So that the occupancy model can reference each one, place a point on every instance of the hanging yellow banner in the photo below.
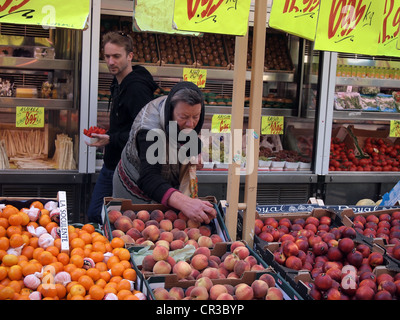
(394, 129)
(298, 17)
(387, 44)
(197, 76)
(351, 26)
(212, 16)
(72, 14)
(156, 16)
(221, 123)
(29, 117)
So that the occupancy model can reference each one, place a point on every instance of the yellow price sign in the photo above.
(298, 17)
(197, 76)
(72, 14)
(29, 117)
(272, 124)
(394, 128)
(212, 16)
(221, 123)
(349, 26)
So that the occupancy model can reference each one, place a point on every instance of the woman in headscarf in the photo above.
(149, 169)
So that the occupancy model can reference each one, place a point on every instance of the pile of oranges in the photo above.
(93, 269)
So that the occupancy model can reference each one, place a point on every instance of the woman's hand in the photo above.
(102, 140)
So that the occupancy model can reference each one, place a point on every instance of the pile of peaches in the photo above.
(341, 267)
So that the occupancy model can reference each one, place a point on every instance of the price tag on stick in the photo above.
(62, 205)
(29, 117)
(394, 128)
(221, 123)
(197, 76)
(272, 125)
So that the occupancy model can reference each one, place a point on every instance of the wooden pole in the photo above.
(239, 86)
(256, 91)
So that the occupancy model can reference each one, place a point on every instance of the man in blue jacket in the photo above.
(131, 89)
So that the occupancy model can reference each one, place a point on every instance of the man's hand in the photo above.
(102, 140)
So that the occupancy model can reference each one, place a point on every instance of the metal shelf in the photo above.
(365, 115)
(362, 177)
(363, 82)
(34, 102)
(36, 64)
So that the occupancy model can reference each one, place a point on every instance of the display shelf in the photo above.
(367, 82)
(362, 177)
(36, 64)
(365, 115)
(36, 102)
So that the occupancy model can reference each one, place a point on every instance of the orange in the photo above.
(71, 229)
(86, 281)
(115, 279)
(88, 227)
(129, 274)
(124, 254)
(4, 223)
(3, 231)
(53, 250)
(101, 266)
(16, 241)
(6, 293)
(87, 250)
(77, 297)
(109, 289)
(96, 256)
(16, 285)
(37, 204)
(13, 230)
(50, 226)
(15, 219)
(37, 252)
(3, 272)
(61, 290)
(2, 253)
(25, 291)
(34, 242)
(77, 243)
(69, 268)
(101, 282)
(77, 260)
(86, 237)
(4, 243)
(96, 292)
(45, 258)
(77, 273)
(44, 211)
(124, 285)
(105, 275)
(30, 268)
(99, 246)
(98, 237)
(117, 269)
(25, 218)
(131, 297)
(123, 293)
(93, 273)
(63, 258)
(25, 237)
(78, 251)
(15, 272)
(10, 260)
(70, 285)
(58, 266)
(8, 211)
(117, 242)
(57, 243)
(47, 291)
(73, 235)
(44, 220)
(112, 260)
(78, 289)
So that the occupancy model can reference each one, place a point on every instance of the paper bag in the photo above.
(188, 180)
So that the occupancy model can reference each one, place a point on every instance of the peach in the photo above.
(134, 233)
(157, 215)
(216, 259)
(205, 230)
(232, 275)
(170, 215)
(192, 224)
(193, 233)
(151, 222)
(180, 235)
(171, 261)
(117, 233)
(252, 260)
(199, 261)
(269, 279)
(222, 271)
(225, 296)
(123, 223)
(216, 290)
(130, 214)
(177, 244)
(113, 215)
(192, 243)
(205, 282)
(215, 238)
(257, 267)
(205, 241)
(127, 239)
(160, 253)
(148, 263)
(241, 252)
(163, 243)
(151, 233)
(166, 225)
(211, 273)
(143, 215)
(179, 224)
(260, 288)
(146, 243)
(177, 293)
(274, 293)
(162, 267)
(138, 224)
(161, 294)
(237, 244)
(167, 236)
(244, 292)
(199, 293)
(188, 290)
(230, 261)
(182, 216)
(240, 267)
(182, 269)
(203, 250)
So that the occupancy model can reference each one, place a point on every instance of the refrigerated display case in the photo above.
(41, 75)
(290, 90)
(361, 157)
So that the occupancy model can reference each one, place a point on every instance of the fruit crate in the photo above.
(23, 202)
(217, 225)
(220, 249)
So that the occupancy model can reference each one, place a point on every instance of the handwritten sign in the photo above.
(272, 125)
(71, 14)
(29, 117)
(212, 16)
(349, 26)
(197, 76)
(298, 17)
(394, 128)
(156, 16)
(221, 123)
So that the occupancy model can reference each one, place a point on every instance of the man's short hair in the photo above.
(119, 38)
